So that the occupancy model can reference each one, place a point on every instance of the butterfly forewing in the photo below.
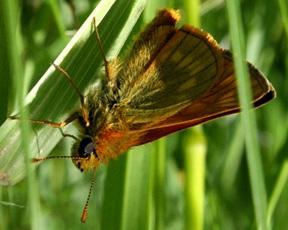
(190, 81)
(185, 68)
(182, 79)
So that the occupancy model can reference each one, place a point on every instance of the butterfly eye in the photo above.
(86, 147)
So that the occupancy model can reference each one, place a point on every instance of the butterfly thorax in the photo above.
(107, 128)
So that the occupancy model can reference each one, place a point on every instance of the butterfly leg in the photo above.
(68, 120)
(84, 109)
(68, 135)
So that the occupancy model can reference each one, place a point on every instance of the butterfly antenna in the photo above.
(85, 209)
(39, 159)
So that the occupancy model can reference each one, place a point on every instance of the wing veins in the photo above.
(187, 54)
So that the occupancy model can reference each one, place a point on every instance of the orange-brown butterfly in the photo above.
(174, 78)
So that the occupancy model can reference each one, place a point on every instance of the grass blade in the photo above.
(247, 116)
(16, 67)
(195, 155)
(278, 190)
(195, 152)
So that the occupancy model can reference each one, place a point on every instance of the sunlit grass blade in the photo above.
(247, 116)
(195, 155)
(195, 152)
(192, 9)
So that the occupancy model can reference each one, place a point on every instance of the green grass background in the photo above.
(201, 178)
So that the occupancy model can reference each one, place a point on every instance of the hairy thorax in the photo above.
(109, 131)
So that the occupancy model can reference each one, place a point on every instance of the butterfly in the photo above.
(173, 78)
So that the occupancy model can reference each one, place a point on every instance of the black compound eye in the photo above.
(86, 147)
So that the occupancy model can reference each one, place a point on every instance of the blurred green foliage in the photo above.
(124, 188)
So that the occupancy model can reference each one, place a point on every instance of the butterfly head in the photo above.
(84, 155)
